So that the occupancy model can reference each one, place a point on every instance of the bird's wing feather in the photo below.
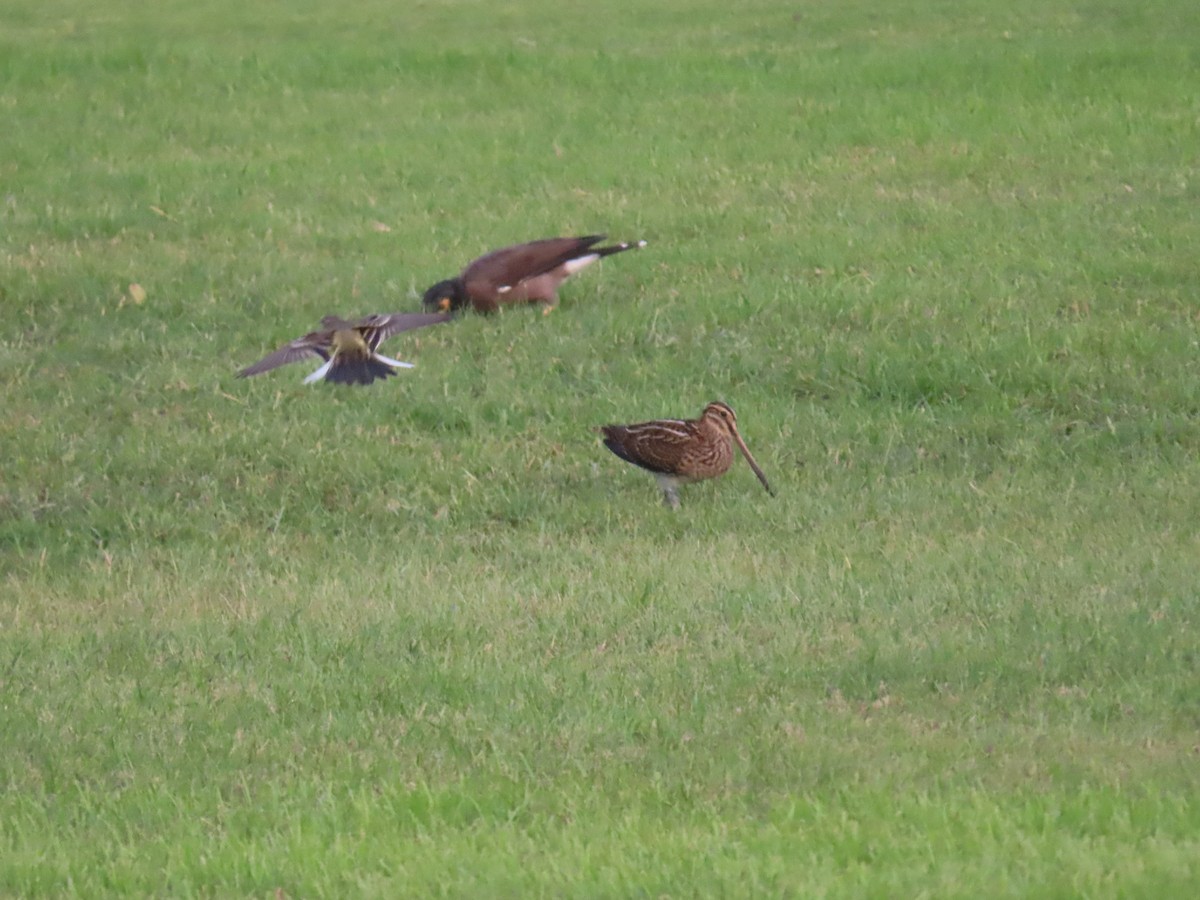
(398, 322)
(377, 327)
(313, 344)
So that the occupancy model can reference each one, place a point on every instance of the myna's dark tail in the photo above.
(617, 248)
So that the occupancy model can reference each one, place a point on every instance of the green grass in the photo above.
(430, 638)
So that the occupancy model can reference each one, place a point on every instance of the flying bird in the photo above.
(524, 273)
(680, 451)
(349, 349)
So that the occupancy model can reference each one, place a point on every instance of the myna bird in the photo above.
(680, 451)
(348, 348)
(525, 273)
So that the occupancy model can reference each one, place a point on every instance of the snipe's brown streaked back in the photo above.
(679, 451)
(349, 349)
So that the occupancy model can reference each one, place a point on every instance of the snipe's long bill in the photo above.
(680, 451)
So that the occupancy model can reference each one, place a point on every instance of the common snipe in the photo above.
(524, 273)
(348, 348)
(679, 451)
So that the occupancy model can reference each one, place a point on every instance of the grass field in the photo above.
(431, 638)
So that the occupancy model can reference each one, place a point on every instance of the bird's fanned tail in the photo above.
(357, 371)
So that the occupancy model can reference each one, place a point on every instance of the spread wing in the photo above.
(314, 343)
(509, 266)
(379, 327)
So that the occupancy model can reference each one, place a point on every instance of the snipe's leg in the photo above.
(670, 489)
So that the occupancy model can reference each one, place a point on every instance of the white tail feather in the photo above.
(571, 266)
(320, 373)
(394, 363)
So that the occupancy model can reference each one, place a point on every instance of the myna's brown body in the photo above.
(349, 349)
(524, 273)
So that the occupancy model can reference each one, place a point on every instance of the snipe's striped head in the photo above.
(679, 451)
(722, 415)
